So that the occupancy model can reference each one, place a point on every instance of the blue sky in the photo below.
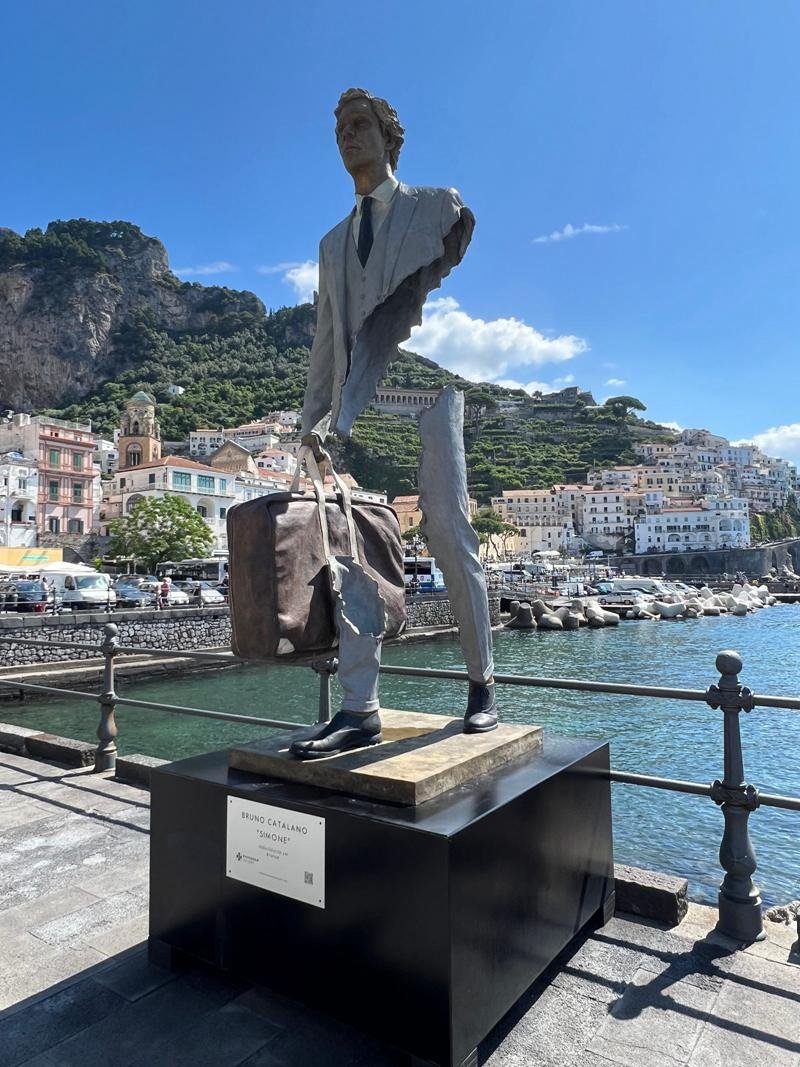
(634, 170)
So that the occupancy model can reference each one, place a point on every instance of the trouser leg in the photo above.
(452, 541)
(361, 623)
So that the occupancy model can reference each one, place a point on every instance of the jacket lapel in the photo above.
(398, 222)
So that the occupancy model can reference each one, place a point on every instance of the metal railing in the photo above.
(739, 900)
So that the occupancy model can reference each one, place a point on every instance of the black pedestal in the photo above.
(436, 919)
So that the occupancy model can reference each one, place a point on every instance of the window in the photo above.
(202, 511)
(223, 512)
(52, 490)
(55, 457)
(22, 483)
(77, 461)
(54, 525)
(75, 526)
(205, 481)
(77, 492)
(223, 485)
(151, 479)
(133, 456)
(181, 480)
(16, 513)
(122, 483)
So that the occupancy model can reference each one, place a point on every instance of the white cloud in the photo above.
(486, 351)
(303, 277)
(780, 441)
(616, 381)
(219, 266)
(571, 231)
(676, 426)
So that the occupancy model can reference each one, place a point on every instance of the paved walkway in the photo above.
(76, 987)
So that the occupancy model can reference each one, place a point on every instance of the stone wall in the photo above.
(175, 630)
(427, 611)
(755, 562)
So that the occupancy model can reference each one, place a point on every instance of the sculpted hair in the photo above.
(386, 116)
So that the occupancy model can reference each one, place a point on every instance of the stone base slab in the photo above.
(421, 757)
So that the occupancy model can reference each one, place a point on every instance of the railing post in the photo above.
(325, 668)
(739, 899)
(105, 757)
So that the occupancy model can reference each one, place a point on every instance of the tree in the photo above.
(621, 406)
(489, 525)
(414, 533)
(157, 529)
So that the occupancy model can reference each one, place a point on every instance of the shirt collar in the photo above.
(383, 192)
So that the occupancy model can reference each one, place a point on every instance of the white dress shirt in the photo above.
(381, 202)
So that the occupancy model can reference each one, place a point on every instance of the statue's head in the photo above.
(368, 131)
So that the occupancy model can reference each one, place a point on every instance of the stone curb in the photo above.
(650, 894)
(135, 769)
(40, 745)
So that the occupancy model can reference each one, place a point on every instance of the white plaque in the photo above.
(276, 849)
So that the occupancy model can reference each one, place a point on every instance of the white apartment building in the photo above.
(106, 455)
(721, 522)
(204, 442)
(276, 459)
(19, 486)
(252, 436)
(546, 518)
(606, 515)
(211, 492)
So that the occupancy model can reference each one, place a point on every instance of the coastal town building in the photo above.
(139, 433)
(19, 500)
(276, 459)
(686, 526)
(63, 452)
(210, 492)
(397, 401)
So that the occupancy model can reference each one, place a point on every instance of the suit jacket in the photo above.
(429, 231)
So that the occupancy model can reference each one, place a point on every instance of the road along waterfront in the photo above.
(652, 828)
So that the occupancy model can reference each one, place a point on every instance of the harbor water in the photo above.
(652, 828)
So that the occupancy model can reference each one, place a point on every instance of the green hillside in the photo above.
(248, 365)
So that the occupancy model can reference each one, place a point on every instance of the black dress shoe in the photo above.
(346, 730)
(481, 713)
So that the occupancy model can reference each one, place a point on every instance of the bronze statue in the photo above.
(376, 268)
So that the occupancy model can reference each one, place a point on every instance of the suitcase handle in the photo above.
(306, 457)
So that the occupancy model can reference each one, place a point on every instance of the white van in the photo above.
(82, 589)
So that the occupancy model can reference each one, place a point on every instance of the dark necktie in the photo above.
(365, 230)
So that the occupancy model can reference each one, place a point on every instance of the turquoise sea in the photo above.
(652, 828)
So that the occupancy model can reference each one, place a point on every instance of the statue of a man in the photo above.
(376, 268)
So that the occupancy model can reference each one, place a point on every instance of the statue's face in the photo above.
(359, 136)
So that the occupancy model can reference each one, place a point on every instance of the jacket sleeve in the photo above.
(319, 384)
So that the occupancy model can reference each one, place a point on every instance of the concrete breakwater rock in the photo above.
(174, 630)
(589, 611)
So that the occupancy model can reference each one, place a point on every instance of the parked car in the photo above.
(202, 593)
(132, 594)
(32, 595)
(83, 588)
(177, 597)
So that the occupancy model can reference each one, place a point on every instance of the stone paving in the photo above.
(76, 986)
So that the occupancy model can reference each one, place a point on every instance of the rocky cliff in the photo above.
(67, 295)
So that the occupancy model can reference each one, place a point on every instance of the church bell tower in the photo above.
(140, 434)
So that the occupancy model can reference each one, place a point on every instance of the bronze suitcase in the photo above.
(281, 601)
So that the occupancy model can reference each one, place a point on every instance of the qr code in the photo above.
(309, 878)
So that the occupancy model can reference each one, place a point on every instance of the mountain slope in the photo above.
(96, 306)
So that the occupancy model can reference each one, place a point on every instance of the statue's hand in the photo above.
(314, 442)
